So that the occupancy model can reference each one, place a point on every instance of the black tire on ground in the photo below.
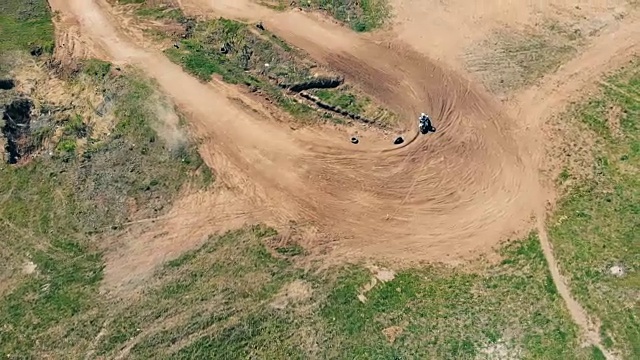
(399, 140)
(354, 140)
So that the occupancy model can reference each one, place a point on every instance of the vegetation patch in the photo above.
(26, 25)
(435, 307)
(162, 12)
(595, 228)
(234, 298)
(353, 101)
(360, 15)
(510, 60)
(239, 53)
(62, 202)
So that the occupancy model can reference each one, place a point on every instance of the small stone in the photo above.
(617, 270)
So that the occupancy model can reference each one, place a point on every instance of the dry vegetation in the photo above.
(512, 59)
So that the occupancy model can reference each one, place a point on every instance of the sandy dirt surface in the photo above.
(445, 196)
(442, 197)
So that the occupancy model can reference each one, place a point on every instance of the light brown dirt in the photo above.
(392, 333)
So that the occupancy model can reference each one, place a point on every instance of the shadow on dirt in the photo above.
(7, 84)
(16, 129)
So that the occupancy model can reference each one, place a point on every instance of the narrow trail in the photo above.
(611, 50)
(590, 329)
(444, 197)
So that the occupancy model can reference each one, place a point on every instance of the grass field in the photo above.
(512, 59)
(235, 298)
(56, 210)
(597, 224)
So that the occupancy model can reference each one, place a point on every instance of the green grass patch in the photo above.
(161, 12)
(243, 61)
(291, 250)
(39, 224)
(355, 102)
(345, 100)
(220, 291)
(361, 15)
(597, 223)
(96, 69)
(67, 145)
(244, 57)
(513, 306)
(26, 25)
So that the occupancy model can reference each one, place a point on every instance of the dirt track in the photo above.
(445, 196)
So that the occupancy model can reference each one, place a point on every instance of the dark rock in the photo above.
(7, 84)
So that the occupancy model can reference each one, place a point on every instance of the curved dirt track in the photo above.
(451, 193)
(442, 197)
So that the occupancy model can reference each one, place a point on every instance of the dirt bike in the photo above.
(424, 124)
